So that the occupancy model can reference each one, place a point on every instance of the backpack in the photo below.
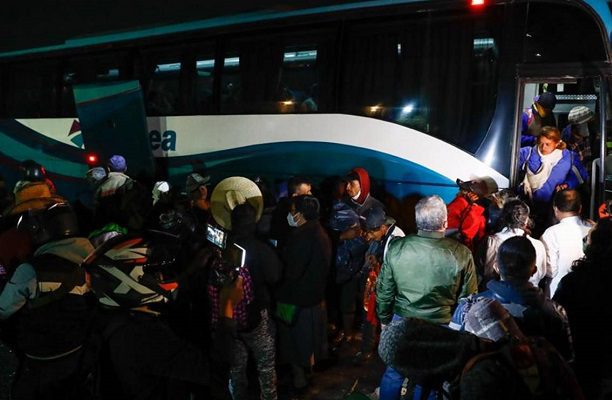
(460, 365)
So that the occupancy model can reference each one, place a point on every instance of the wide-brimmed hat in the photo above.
(229, 193)
(194, 181)
(483, 186)
(579, 115)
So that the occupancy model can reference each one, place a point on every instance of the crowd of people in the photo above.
(143, 297)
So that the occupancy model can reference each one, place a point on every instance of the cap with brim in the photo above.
(229, 193)
(483, 186)
(374, 218)
(194, 181)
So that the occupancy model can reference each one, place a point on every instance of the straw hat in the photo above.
(229, 193)
(33, 196)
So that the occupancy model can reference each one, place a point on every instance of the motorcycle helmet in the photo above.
(133, 270)
(54, 222)
(33, 171)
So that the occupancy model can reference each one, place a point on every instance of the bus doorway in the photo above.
(573, 105)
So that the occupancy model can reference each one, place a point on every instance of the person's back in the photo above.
(535, 314)
(564, 241)
(584, 293)
(428, 272)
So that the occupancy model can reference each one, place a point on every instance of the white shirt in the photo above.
(563, 243)
(494, 241)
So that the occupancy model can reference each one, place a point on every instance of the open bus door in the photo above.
(573, 90)
(113, 121)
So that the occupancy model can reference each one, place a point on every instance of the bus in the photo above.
(419, 93)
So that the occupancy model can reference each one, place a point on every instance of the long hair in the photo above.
(552, 133)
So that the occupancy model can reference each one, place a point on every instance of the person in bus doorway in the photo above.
(539, 115)
(466, 216)
(577, 135)
(545, 168)
(196, 187)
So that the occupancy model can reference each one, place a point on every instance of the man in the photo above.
(540, 114)
(576, 134)
(358, 198)
(422, 276)
(379, 229)
(564, 241)
(48, 297)
(465, 215)
(535, 314)
(119, 199)
(196, 187)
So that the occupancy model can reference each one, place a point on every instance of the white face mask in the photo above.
(356, 196)
(291, 221)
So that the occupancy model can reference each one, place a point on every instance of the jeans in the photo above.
(392, 380)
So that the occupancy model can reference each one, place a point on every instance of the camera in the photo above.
(226, 266)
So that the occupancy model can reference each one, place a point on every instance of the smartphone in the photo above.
(235, 255)
(216, 236)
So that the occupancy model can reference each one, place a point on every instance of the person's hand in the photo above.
(230, 296)
(561, 187)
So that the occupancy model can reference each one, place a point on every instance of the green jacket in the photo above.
(423, 276)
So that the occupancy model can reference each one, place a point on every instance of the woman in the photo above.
(546, 167)
(585, 295)
(516, 222)
(307, 257)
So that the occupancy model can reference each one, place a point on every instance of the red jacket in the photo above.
(468, 218)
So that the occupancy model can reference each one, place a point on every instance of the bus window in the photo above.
(435, 75)
(278, 74)
(205, 66)
(33, 90)
(576, 38)
(162, 83)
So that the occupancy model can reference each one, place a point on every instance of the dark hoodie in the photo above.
(264, 265)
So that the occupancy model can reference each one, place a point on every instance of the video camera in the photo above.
(226, 266)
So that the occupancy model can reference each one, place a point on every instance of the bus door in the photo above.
(580, 111)
(113, 121)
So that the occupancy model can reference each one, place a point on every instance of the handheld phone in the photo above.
(216, 236)
(235, 255)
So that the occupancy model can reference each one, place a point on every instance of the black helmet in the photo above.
(133, 270)
(54, 222)
(33, 171)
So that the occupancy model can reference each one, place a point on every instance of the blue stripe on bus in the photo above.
(317, 160)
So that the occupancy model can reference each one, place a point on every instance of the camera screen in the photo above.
(216, 236)
(235, 255)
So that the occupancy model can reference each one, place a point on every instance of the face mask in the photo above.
(291, 221)
(356, 196)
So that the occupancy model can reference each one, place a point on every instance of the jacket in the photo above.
(468, 218)
(307, 257)
(534, 313)
(558, 175)
(423, 276)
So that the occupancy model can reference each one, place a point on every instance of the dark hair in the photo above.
(515, 214)
(515, 258)
(567, 200)
(244, 218)
(307, 205)
(599, 252)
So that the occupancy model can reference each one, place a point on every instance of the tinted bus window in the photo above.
(33, 90)
(205, 68)
(278, 75)
(561, 33)
(438, 76)
(162, 84)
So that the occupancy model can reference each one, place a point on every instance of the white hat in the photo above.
(229, 193)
